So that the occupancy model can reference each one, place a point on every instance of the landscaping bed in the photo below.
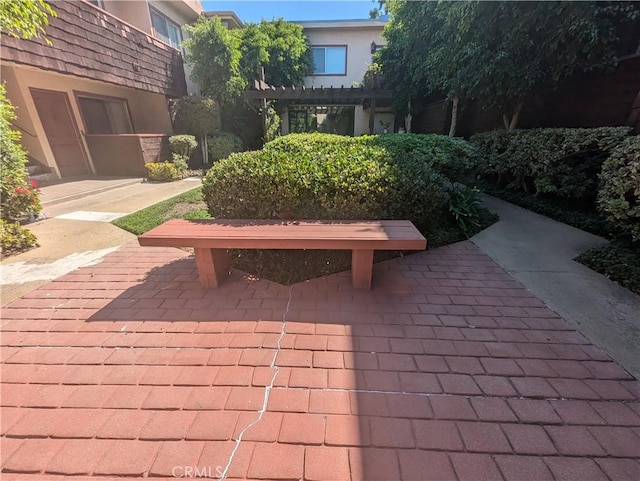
(587, 178)
(320, 176)
(617, 260)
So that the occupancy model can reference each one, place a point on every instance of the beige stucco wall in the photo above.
(358, 41)
(134, 12)
(30, 128)
(149, 112)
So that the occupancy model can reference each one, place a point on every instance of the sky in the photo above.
(292, 10)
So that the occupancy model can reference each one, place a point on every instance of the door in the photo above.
(61, 130)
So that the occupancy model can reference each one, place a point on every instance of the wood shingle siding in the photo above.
(90, 43)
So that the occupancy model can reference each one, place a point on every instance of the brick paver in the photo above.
(446, 370)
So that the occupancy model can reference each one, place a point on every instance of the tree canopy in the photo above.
(226, 61)
(213, 51)
(500, 53)
(25, 18)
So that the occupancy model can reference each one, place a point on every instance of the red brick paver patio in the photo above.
(446, 370)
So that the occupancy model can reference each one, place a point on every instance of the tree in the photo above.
(289, 56)
(226, 61)
(197, 116)
(500, 53)
(25, 18)
(381, 9)
(213, 51)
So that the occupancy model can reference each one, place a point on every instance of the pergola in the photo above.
(323, 96)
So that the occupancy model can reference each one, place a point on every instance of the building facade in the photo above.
(95, 100)
(342, 52)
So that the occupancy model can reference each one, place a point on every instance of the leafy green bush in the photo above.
(555, 161)
(18, 197)
(223, 144)
(464, 204)
(199, 116)
(180, 162)
(183, 144)
(14, 238)
(162, 171)
(619, 196)
(272, 122)
(195, 115)
(453, 157)
(322, 176)
(617, 260)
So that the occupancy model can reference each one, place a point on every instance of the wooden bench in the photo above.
(211, 239)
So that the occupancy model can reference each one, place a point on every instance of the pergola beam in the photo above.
(355, 95)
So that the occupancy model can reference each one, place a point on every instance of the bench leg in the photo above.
(213, 266)
(361, 268)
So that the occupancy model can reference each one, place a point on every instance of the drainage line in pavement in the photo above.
(267, 390)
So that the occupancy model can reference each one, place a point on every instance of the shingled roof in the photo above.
(90, 43)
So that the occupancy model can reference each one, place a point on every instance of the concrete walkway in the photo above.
(539, 252)
(77, 230)
(448, 369)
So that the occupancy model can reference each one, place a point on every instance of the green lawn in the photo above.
(184, 206)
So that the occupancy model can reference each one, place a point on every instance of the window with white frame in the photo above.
(166, 30)
(329, 60)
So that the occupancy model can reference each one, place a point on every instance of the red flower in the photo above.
(34, 183)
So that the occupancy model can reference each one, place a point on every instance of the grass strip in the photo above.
(188, 205)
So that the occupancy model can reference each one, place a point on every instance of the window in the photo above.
(105, 115)
(336, 119)
(166, 30)
(97, 3)
(329, 60)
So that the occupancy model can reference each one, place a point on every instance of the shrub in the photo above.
(555, 161)
(464, 204)
(323, 176)
(619, 196)
(455, 158)
(180, 163)
(18, 197)
(14, 238)
(618, 261)
(223, 144)
(194, 115)
(162, 171)
(272, 124)
(183, 144)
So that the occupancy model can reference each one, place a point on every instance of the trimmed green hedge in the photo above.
(323, 176)
(619, 196)
(223, 144)
(554, 161)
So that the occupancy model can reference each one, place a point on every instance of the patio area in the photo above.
(447, 369)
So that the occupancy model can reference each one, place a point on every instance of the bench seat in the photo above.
(211, 239)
